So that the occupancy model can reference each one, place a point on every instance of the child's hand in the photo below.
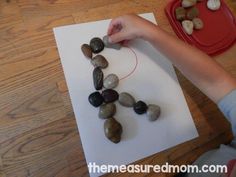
(129, 27)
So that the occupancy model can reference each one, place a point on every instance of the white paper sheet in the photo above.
(154, 81)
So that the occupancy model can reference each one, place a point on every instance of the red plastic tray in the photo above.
(218, 33)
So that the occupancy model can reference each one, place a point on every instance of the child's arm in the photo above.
(198, 67)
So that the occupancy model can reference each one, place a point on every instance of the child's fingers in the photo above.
(117, 37)
(113, 25)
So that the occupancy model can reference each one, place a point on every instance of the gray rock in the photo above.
(153, 112)
(198, 23)
(107, 111)
(111, 81)
(213, 4)
(188, 3)
(125, 99)
(99, 61)
(107, 44)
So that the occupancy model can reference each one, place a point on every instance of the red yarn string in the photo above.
(136, 63)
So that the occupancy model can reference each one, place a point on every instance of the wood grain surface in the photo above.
(38, 132)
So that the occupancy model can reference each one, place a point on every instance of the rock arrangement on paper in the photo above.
(105, 95)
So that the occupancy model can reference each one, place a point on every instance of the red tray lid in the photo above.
(218, 33)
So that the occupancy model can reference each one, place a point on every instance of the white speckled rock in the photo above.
(188, 3)
(153, 112)
(213, 4)
(187, 26)
(198, 23)
(125, 99)
(111, 81)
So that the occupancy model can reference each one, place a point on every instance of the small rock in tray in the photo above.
(192, 13)
(188, 3)
(180, 13)
(213, 4)
(197, 23)
(187, 26)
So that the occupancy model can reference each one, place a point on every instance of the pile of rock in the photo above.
(188, 14)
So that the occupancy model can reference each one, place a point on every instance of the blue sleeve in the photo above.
(228, 106)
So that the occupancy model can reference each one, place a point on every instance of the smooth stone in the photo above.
(192, 13)
(96, 45)
(95, 99)
(97, 78)
(107, 110)
(187, 26)
(213, 4)
(125, 99)
(198, 23)
(99, 61)
(107, 44)
(111, 81)
(180, 13)
(188, 3)
(140, 107)
(110, 95)
(87, 51)
(113, 130)
(153, 112)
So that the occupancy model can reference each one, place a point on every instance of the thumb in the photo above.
(117, 37)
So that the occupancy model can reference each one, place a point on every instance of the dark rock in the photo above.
(98, 78)
(113, 130)
(96, 45)
(110, 95)
(95, 99)
(140, 107)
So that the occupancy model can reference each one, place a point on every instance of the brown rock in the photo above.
(87, 51)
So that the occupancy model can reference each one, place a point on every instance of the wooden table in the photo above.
(38, 132)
